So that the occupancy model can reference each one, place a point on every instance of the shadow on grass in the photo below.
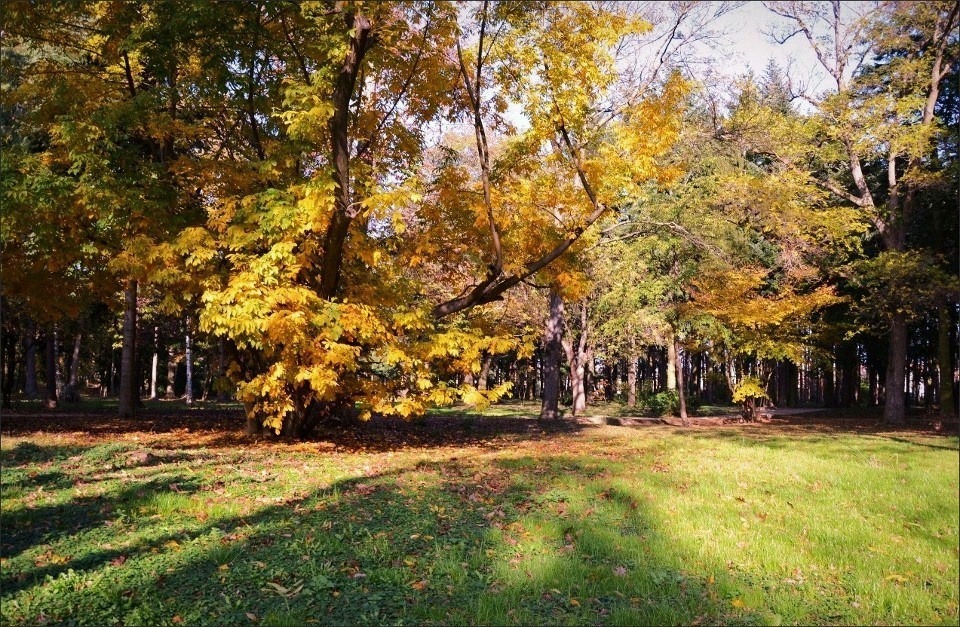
(462, 542)
(224, 428)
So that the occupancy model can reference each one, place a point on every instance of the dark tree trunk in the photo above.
(51, 356)
(678, 365)
(485, 362)
(894, 409)
(188, 358)
(8, 368)
(172, 360)
(71, 393)
(632, 380)
(222, 396)
(128, 358)
(30, 389)
(550, 409)
(945, 359)
(829, 395)
(254, 423)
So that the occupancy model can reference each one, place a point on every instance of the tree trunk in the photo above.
(75, 361)
(829, 394)
(550, 408)
(894, 410)
(30, 389)
(8, 368)
(51, 356)
(254, 424)
(71, 394)
(945, 359)
(128, 358)
(172, 360)
(154, 363)
(578, 384)
(484, 371)
(222, 394)
(671, 362)
(678, 366)
(632, 380)
(188, 358)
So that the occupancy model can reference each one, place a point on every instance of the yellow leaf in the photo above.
(737, 603)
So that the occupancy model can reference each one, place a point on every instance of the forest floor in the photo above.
(178, 518)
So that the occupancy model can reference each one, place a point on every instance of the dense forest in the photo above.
(337, 211)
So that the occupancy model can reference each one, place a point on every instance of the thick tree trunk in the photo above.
(894, 410)
(128, 357)
(678, 366)
(30, 389)
(553, 334)
(172, 360)
(254, 424)
(829, 393)
(51, 356)
(578, 385)
(945, 359)
(484, 371)
(188, 358)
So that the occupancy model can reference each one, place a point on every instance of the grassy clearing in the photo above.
(745, 525)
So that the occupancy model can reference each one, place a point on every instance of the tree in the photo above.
(882, 113)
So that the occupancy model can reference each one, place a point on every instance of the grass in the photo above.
(759, 524)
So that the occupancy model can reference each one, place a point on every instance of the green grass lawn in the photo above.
(759, 524)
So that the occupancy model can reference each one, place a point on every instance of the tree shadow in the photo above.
(460, 541)
(224, 429)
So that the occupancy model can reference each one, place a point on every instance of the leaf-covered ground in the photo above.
(177, 518)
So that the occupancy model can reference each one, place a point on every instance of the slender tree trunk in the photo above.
(550, 409)
(222, 396)
(128, 357)
(671, 362)
(678, 366)
(75, 361)
(894, 410)
(30, 389)
(632, 380)
(155, 363)
(70, 393)
(8, 368)
(188, 357)
(945, 359)
(51, 356)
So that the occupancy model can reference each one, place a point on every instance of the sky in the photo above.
(750, 48)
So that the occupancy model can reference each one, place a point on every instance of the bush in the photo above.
(664, 403)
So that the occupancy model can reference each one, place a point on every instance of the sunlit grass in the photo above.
(610, 525)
